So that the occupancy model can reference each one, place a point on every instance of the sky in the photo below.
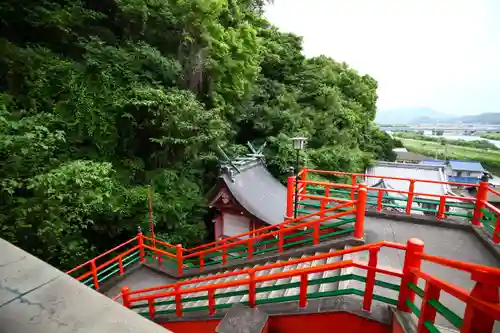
(442, 54)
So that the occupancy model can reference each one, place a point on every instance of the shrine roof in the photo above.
(256, 190)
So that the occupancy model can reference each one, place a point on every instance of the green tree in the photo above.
(99, 99)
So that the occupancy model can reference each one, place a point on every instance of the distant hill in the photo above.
(483, 118)
(408, 115)
(428, 116)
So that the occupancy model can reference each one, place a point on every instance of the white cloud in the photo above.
(443, 54)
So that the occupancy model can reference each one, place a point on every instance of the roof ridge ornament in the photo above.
(235, 164)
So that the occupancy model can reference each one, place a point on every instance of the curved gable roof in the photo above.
(258, 192)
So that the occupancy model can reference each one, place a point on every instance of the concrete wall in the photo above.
(37, 298)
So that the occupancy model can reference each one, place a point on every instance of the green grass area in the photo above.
(491, 136)
(489, 158)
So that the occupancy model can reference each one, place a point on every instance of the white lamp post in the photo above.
(298, 144)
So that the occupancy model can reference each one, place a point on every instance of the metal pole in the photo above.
(151, 224)
(296, 185)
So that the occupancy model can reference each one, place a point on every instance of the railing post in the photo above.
(178, 301)
(441, 208)
(126, 296)
(353, 189)
(159, 258)
(370, 278)
(211, 301)
(151, 307)
(120, 264)
(251, 287)
(224, 253)
(409, 202)
(250, 248)
(359, 227)
(303, 291)
(316, 233)
(93, 269)
(486, 289)
(481, 197)
(496, 231)
(427, 311)
(303, 177)
(414, 248)
(180, 259)
(322, 208)
(140, 240)
(202, 262)
(380, 198)
(289, 197)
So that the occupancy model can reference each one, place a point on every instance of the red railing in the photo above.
(89, 272)
(279, 231)
(115, 261)
(150, 295)
(482, 303)
(140, 248)
(442, 202)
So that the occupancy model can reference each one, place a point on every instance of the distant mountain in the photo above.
(430, 116)
(483, 118)
(409, 115)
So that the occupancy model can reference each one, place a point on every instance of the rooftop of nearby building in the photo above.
(434, 162)
(466, 166)
(409, 156)
(406, 170)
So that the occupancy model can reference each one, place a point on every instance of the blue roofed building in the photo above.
(464, 171)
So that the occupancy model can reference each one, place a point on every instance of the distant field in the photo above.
(491, 136)
(489, 158)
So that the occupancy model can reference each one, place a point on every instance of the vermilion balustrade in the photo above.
(103, 267)
(482, 303)
(481, 211)
(113, 262)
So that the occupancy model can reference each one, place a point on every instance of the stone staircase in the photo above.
(281, 290)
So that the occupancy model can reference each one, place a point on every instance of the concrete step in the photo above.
(330, 286)
(281, 292)
(218, 291)
(296, 290)
(293, 291)
(264, 295)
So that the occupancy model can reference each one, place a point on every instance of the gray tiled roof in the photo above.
(258, 192)
(414, 171)
(409, 156)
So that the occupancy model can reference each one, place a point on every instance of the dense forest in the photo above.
(99, 98)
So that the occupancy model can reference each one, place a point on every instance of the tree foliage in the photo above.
(99, 99)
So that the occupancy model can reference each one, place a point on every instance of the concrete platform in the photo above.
(37, 298)
(140, 278)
